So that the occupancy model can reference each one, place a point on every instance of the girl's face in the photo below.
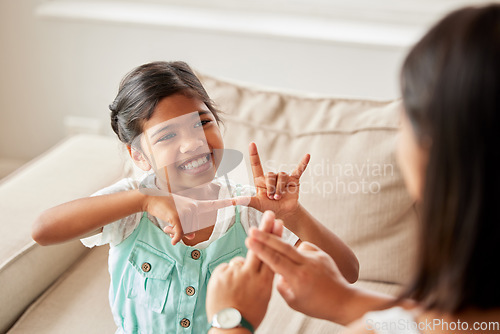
(412, 158)
(179, 142)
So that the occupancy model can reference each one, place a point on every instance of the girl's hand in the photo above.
(181, 211)
(310, 281)
(245, 284)
(276, 192)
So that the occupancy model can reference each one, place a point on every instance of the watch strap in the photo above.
(247, 325)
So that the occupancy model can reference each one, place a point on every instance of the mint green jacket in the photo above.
(159, 288)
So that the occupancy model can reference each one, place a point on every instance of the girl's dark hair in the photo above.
(451, 93)
(142, 89)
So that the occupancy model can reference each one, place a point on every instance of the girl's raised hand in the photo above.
(278, 192)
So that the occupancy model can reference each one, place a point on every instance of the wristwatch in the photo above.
(230, 318)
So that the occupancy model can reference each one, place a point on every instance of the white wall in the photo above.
(54, 68)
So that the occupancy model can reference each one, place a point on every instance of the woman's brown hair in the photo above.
(451, 93)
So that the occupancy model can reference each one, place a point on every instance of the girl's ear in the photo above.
(138, 158)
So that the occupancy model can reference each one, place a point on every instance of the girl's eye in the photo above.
(166, 137)
(202, 123)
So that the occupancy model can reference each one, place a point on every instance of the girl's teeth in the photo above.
(195, 163)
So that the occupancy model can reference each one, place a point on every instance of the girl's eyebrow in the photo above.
(161, 130)
(203, 112)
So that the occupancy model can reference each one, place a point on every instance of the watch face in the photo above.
(229, 318)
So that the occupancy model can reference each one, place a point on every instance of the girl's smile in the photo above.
(196, 165)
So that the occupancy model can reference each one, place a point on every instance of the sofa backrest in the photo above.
(352, 184)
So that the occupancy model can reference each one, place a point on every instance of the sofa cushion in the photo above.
(352, 184)
(76, 303)
(75, 168)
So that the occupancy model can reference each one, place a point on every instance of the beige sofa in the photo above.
(352, 185)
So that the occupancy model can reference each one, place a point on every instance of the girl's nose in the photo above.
(190, 144)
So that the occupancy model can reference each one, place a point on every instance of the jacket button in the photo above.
(185, 323)
(190, 291)
(146, 267)
(195, 254)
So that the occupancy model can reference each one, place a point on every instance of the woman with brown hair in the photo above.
(447, 150)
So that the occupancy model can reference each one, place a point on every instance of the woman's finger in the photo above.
(278, 228)
(275, 243)
(278, 262)
(267, 222)
(281, 183)
(307, 246)
(237, 261)
(253, 263)
(284, 289)
(271, 184)
(275, 253)
(220, 268)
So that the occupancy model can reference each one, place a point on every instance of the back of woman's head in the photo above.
(451, 93)
(142, 89)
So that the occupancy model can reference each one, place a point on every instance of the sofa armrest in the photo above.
(75, 168)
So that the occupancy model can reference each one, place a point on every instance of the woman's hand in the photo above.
(276, 192)
(245, 284)
(310, 281)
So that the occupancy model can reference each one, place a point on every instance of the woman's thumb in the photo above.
(307, 246)
(284, 289)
